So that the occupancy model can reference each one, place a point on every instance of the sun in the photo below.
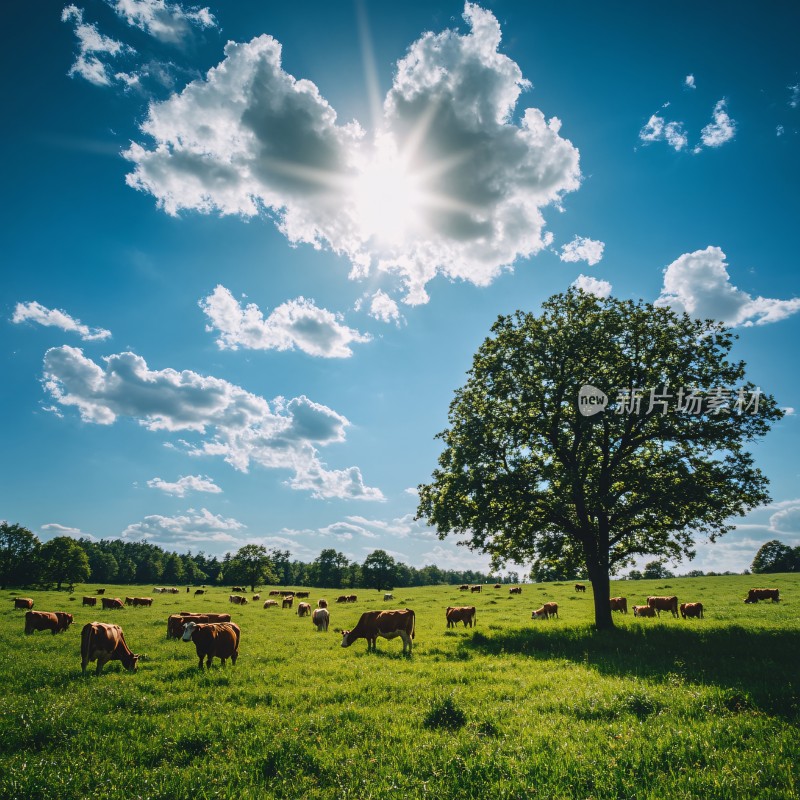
(388, 197)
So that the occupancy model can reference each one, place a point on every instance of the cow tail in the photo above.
(413, 623)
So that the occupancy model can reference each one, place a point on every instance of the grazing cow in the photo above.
(692, 610)
(539, 613)
(477, 588)
(143, 601)
(342, 598)
(158, 590)
(23, 602)
(303, 609)
(388, 596)
(463, 588)
(456, 614)
(287, 601)
(90, 601)
(111, 602)
(546, 611)
(619, 604)
(99, 591)
(644, 611)
(322, 603)
(270, 603)
(128, 601)
(53, 621)
(256, 597)
(321, 617)
(287, 592)
(302, 594)
(664, 604)
(754, 595)
(237, 599)
(199, 591)
(274, 593)
(497, 586)
(102, 643)
(515, 590)
(580, 587)
(387, 624)
(220, 639)
(351, 598)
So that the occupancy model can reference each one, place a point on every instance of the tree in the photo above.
(329, 569)
(253, 565)
(655, 570)
(64, 561)
(527, 475)
(379, 571)
(18, 547)
(774, 556)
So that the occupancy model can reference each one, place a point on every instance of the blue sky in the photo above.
(213, 336)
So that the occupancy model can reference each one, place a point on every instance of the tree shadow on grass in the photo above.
(762, 665)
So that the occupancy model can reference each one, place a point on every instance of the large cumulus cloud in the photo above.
(251, 138)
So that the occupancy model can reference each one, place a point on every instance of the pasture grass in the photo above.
(659, 709)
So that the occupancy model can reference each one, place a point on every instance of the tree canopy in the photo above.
(651, 459)
(775, 556)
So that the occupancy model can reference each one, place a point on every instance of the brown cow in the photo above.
(102, 643)
(497, 586)
(287, 601)
(274, 593)
(351, 598)
(477, 588)
(270, 604)
(256, 597)
(456, 614)
(90, 601)
(301, 594)
(220, 639)
(515, 590)
(692, 610)
(175, 622)
(546, 611)
(142, 601)
(53, 621)
(128, 601)
(322, 603)
(112, 602)
(342, 598)
(754, 595)
(303, 609)
(23, 602)
(580, 587)
(199, 591)
(238, 600)
(619, 604)
(387, 624)
(664, 604)
(321, 618)
(644, 611)
(101, 591)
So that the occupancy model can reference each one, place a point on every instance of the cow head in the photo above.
(346, 639)
(188, 630)
(130, 661)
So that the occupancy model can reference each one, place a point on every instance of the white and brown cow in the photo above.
(102, 642)
(321, 618)
(270, 604)
(303, 609)
(215, 639)
(546, 611)
(387, 624)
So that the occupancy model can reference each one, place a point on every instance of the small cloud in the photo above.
(794, 97)
(689, 82)
(412, 490)
(383, 308)
(721, 130)
(184, 485)
(592, 285)
(788, 411)
(780, 130)
(582, 249)
(168, 22)
(53, 529)
(55, 318)
(295, 324)
(657, 129)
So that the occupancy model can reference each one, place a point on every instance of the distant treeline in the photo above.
(25, 561)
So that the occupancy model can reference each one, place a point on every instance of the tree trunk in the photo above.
(601, 588)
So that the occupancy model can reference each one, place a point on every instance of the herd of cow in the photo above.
(216, 636)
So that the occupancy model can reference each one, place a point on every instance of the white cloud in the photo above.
(461, 559)
(91, 45)
(168, 22)
(251, 137)
(794, 98)
(383, 308)
(789, 411)
(721, 130)
(592, 285)
(193, 529)
(689, 82)
(227, 420)
(54, 318)
(787, 519)
(294, 324)
(54, 529)
(657, 129)
(184, 485)
(583, 249)
(779, 130)
(699, 284)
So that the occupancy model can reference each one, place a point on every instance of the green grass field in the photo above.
(514, 708)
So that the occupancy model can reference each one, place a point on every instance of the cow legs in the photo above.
(406, 642)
